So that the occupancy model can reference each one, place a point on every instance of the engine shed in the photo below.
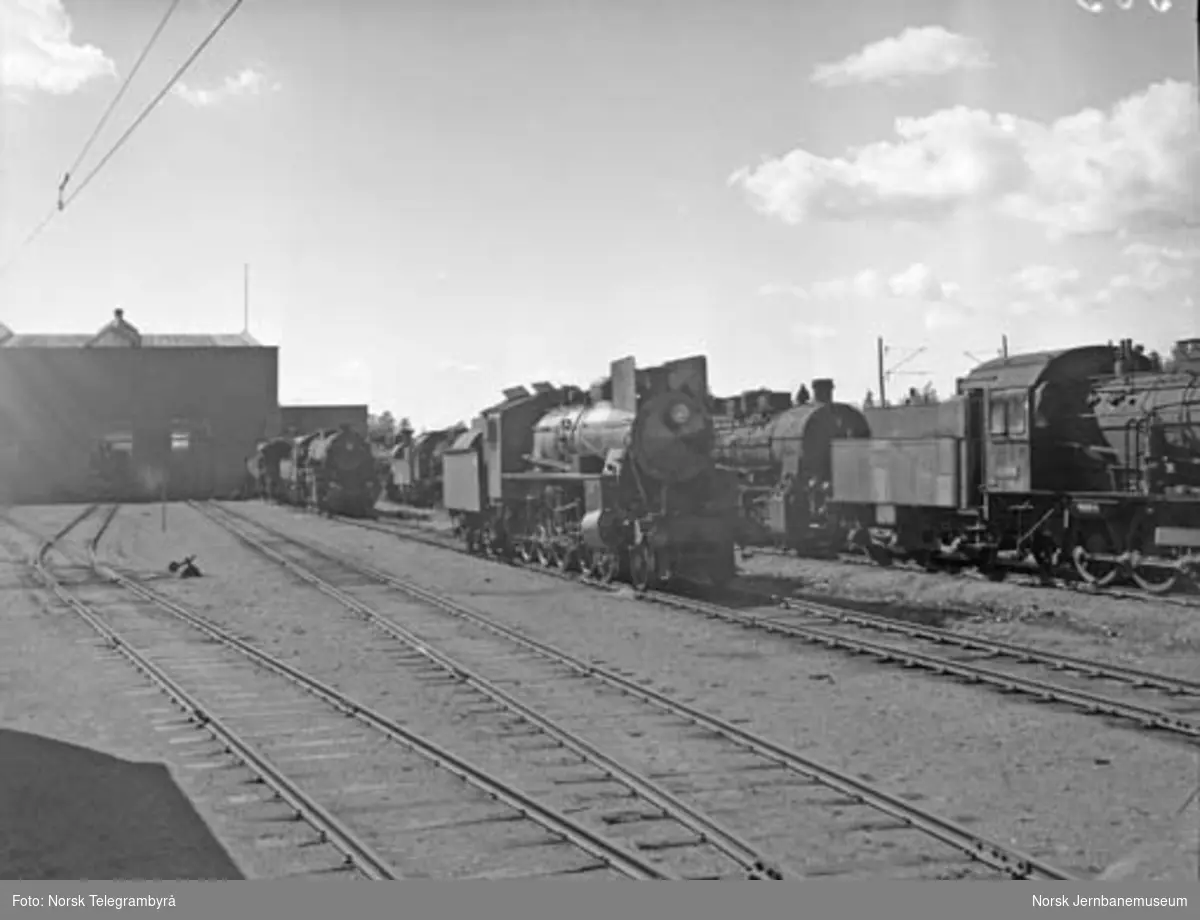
(125, 415)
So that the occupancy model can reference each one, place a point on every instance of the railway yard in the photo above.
(360, 697)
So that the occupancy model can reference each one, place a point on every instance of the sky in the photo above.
(439, 200)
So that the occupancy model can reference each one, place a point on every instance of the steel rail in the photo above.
(1016, 863)
(708, 829)
(1058, 661)
(357, 852)
(1093, 703)
(582, 837)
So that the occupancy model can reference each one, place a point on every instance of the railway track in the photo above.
(1187, 595)
(393, 803)
(1007, 671)
(758, 780)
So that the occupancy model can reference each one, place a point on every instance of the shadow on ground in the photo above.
(69, 812)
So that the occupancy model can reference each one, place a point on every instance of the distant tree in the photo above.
(928, 394)
(381, 429)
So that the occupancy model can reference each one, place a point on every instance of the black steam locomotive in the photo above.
(620, 481)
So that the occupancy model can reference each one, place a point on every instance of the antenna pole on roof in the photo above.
(246, 298)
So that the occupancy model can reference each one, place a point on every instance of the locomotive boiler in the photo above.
(341, 473)
(619, 481)
(783, 455)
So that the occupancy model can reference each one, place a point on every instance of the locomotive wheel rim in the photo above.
(567, 558)
(1085, 567)
(1155, 580)
(641, 567)
(1151, 579)
(604, 568)
(541, 549)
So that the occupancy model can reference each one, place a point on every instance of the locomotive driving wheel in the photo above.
(543, 551)
(567, 555)
(604, 566)
(525, 550)
(643, 567)
(1098, 572)
(1153, 579)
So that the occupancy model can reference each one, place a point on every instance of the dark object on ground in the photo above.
(69, 812)
(185, 568)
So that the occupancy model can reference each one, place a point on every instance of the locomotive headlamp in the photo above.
(680, 414)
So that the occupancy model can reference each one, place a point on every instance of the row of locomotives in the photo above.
(1086, 459)
(416, 467)
(619, 481)
(335, 472)
(781, 449)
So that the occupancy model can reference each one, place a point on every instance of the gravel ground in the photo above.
(1068, 787)
(90, 785)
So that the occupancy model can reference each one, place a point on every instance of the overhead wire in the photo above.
(116, 99)
(63, 202)
(145, 113)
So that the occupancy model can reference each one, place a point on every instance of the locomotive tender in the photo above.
(1087, 457)
(619, 482)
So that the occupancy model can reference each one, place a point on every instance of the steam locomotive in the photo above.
(416, 467)
(331, 470)
(1087, 458)
(619, 481)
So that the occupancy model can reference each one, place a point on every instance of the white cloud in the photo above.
(248, 82)
(816, 331)
(865, 284)
(1161, 253)
(1153, 269)
(929, 51)
(1133, 167)
(918, 282)
(37, 53)
(1045, 287)
(946, 315)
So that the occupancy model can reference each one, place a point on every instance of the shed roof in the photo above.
(1028, 370)
(50, 340)
(120, 333)
(1015, 371)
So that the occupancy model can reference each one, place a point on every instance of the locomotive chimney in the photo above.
(822, 390)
